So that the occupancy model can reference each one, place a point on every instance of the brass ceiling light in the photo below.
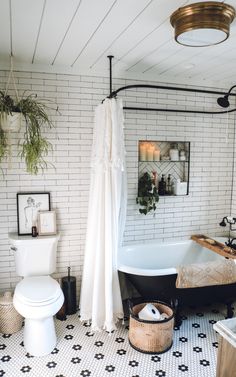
(202, 24)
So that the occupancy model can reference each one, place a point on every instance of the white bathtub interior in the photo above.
(163, 258)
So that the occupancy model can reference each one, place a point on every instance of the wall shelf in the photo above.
(167, 159)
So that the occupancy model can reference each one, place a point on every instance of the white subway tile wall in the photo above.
(68, 177)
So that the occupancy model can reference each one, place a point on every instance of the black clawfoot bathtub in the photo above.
(151, 269)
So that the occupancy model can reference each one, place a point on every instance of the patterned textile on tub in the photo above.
(204, 274)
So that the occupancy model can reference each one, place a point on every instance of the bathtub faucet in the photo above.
(230, 243)
(231, 221)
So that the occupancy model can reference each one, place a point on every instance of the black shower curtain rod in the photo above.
(114, 93)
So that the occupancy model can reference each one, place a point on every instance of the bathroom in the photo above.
(211, 190)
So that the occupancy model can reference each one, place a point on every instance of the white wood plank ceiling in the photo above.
(75, 36)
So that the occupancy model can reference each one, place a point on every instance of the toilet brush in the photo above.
(69, 290)
(61, 314)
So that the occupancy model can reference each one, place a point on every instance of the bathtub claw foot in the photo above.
(178, 320)
(175, 306)
(230, 310)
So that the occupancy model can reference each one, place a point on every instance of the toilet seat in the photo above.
(38, 291)
(38, 297)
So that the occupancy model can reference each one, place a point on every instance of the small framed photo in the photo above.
(46, 223)
(28, 206)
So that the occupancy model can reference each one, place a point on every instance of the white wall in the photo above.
(68, 183)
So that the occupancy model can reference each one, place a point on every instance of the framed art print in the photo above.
(28, 206)
(46, 223)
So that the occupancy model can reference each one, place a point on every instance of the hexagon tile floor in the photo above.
(81, 353)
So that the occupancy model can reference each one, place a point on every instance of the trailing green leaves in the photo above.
(33, 151)
(147, 194)
(3, 145)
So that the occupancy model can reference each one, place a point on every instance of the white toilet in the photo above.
(37, 297)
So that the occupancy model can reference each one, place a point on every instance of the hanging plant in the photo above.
(3, 144)
(10, 114)
(34, 147)
(147, 194)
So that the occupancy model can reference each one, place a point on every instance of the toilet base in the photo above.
(39, 336)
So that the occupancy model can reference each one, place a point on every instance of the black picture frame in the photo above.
(28, 205)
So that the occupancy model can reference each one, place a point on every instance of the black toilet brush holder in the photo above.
(69, 290)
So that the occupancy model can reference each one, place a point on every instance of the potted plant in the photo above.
(33, 147)
(147, 194)
(10, 114)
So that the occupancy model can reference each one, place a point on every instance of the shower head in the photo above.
(224, 101)
(223, 222)
(228, 219)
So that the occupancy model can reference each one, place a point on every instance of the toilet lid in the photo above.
(38, 290)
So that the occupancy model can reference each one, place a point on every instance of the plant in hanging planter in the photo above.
(34, 147)
(10, 114)
(147, 194)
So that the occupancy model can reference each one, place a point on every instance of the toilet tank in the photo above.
(34, 256)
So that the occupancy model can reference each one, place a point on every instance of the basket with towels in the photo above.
(154, 334)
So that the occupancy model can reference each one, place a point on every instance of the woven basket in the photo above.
(151, 336)
(10, 319)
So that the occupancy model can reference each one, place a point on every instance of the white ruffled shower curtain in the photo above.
(100, 298)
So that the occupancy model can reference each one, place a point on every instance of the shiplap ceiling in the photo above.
(75, 36)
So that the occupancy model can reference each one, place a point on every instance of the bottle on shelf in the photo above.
(34, 232)
(154, 178)
(169, 185)
(162, 186)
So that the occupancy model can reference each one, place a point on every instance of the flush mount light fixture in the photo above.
(202, 24)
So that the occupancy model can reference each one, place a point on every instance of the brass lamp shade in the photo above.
(202, 24)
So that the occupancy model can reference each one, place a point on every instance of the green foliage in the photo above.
(7, 104)
(147, 194)
(34, 147)
(3, 145)
(33, 151)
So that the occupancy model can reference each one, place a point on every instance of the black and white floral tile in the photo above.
(81, 353)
